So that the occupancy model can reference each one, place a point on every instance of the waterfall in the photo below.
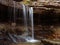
(14, 11)
(31, 19)
(25, 19)
(32, 40)
(13, 25)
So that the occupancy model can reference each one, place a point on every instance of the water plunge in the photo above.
(25, 12)
(25, 36)
(25, 19)
(27, 9)
(31, 19)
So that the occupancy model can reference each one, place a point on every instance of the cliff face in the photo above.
(10, 3)
(18, 0)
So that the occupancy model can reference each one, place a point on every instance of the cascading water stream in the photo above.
(27, 9)
(25, 35)
(14, 11)
(13, 25)
(31, 19)
(31, 39)
(25, 19)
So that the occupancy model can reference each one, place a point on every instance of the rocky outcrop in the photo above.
(10, 3)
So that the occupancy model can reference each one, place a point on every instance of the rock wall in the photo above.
(10, 3)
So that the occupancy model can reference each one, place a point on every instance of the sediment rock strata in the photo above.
(10, 3)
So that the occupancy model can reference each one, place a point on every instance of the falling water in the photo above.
(25, 13)
(14, 11)
(31, 19)
(31, 39)
(13, 25)
(25, 19)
